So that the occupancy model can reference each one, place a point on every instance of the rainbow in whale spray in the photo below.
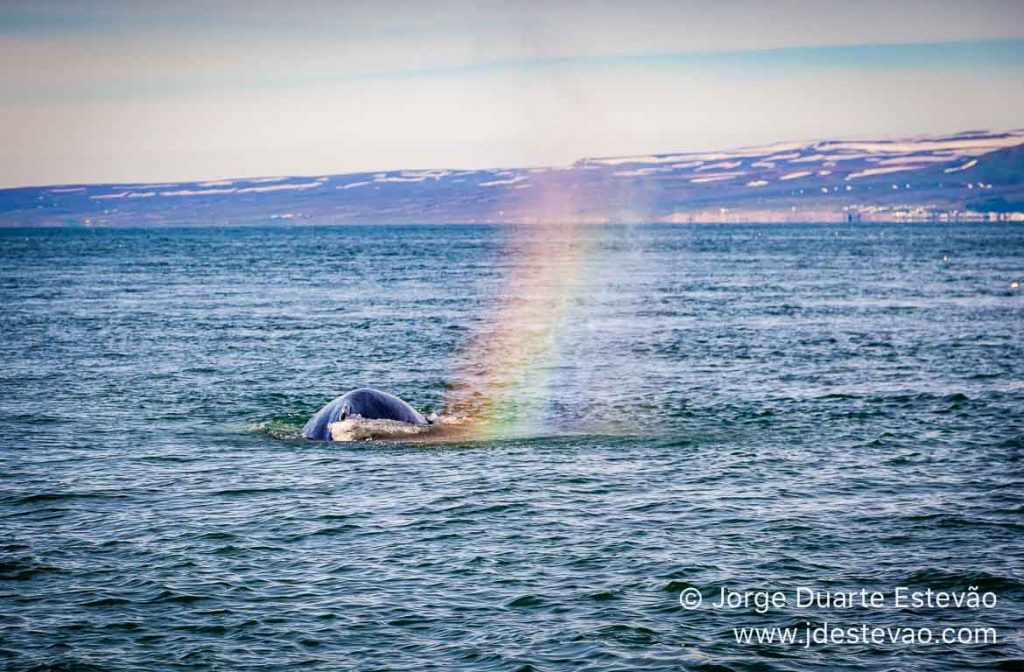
(501, 377)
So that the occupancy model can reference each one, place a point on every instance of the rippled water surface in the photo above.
(739, 406)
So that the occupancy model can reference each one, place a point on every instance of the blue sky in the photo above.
(135, 91)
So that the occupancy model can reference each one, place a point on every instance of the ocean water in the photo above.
(740, 407)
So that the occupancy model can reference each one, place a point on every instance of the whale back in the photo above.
(365, 403)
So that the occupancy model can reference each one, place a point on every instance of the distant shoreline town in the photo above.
(851, 214)
(975, 176)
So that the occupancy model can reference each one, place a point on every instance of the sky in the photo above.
(135, 91)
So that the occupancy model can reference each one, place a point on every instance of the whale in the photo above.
(366, 403)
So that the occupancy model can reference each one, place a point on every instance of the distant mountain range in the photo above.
(968, 176)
